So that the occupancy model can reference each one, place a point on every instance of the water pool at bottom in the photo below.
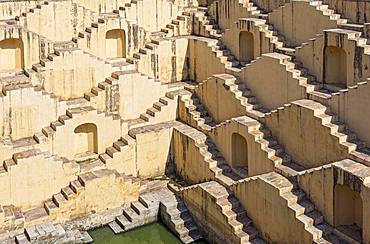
(155, 233)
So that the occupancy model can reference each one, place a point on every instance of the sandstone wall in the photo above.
(42, 175)
(319, 185)
(168, 61)
(129, 36)
(357, 58)
(356, 11)
(352, 106)
(26, 110)
(301, 132)
(264, 205)
(53, 21)
(203, 61)
(96, 132)
(268, 5)
(190, 163)
(152, 149)
(102, 6)
(71, 73)
(278, 84)
(32, 48)
(216, 96)
(208, 214)
(258, 161)
(140, 91)
(261, 40)
(10, 9)
(227, 12)
(102, 190)
(289, 22)
(108, 130)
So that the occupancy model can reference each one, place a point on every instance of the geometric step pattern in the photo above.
(231, 210)
(196, 113)
(141, 212)
(215, 162)
(305, 210)
(176, 216)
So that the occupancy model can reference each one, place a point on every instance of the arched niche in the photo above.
(87, 138)
(115, 43)
(335, 66)
(239, 150)
(348, 211)
(246, 46)
(11, 55)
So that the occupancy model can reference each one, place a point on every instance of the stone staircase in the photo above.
(130, 9)
(360, 41)
(31, 11)
(75, 187)
(277, 41)
(53, 208)
(216, 163)
(253, 8)
(82, 36)
(177, 217)
(233, 213)
(161, 110)
(44, 137)
(139, 213)
(54, 59)
(47, 132)
(322, 89)
(105, 85)
(143, 211)
(17, 157)
(320, 6)
(36, 89)
(225, 56)
(205, 24)
(305, 210)
(245, 96)
(196, 113)
(40, 233)
(177, 27)
(110, 153)
(267, 30)
(148, 48)
(340, 130)
(281, 161)
(90, 98)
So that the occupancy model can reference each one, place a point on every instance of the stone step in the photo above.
(308, 206)
(115, 227)
(59, 199)
(76, 186)
(119, 144)
(130, 214)
(50, 207)
(22, 239)
(124, 223)
(139, 208)
(67, 192)
(248, 233)
(193, 237)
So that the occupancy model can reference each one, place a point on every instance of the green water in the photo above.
(152, 234)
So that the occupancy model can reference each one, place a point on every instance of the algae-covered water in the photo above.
(155, 233)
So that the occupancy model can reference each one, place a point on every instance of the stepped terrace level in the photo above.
(242, 121)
